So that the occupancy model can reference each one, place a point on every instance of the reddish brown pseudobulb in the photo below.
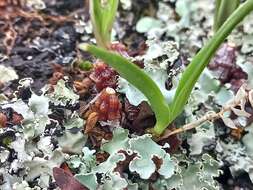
(108, 106)
(3, 120)
(104, 76)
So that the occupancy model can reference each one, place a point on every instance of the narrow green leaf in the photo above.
(223, 9)
(200, 61)
(134, 75)
(103, 13)
(216, 14)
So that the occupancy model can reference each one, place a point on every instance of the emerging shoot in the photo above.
(103, 13)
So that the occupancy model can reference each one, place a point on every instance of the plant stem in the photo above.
(201, 60)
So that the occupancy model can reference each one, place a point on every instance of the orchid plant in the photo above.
(227, 17)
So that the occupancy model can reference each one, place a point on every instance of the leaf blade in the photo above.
(102, 18)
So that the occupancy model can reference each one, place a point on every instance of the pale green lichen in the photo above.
(62, 95)
(72, 143)
(142, 163)
(157, 70)
(7, 74)
(197, 176)
(146, 24)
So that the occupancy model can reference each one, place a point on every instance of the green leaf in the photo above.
(134, 75)
(103, 13)
(200, 61)
(223, 9)
(159, 76)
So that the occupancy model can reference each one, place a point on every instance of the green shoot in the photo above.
(165, 114)
(103, 13)
(201, 60)
(138, 78)
(85, 65)
(223, 9)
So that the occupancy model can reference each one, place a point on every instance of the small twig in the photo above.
(211, 116)
(208, 117)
